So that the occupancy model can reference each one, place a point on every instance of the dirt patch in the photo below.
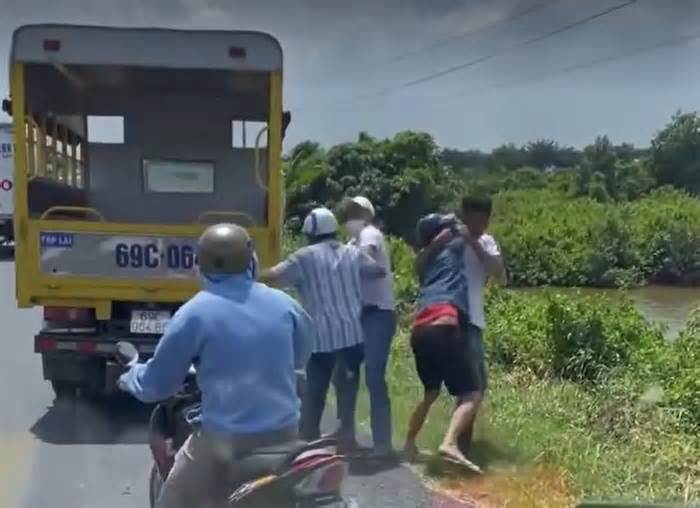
(522, 486)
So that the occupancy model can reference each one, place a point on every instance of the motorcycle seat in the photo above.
(266, 460)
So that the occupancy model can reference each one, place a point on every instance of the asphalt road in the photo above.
(78, 455)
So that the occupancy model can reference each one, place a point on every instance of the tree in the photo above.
(634, 179)
(463, 160)
(508, 156)
(601, 158)
(403, 176)
(542, 153)
(675, 153)
(304, 164)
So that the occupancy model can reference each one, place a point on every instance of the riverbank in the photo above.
(668, 306)
(580, 404)
(551, 239)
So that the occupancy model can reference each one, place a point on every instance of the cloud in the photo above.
(337, 49)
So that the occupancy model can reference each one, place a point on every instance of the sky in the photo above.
(347, 63)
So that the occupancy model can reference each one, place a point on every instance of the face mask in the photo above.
(355, 226)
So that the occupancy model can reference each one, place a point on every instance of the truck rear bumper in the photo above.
(85, 360)
(89, 345)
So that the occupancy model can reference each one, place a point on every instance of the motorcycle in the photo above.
(293, 475)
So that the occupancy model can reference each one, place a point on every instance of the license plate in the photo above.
(149, 322)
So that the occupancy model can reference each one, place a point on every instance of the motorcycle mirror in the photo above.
(126, 353)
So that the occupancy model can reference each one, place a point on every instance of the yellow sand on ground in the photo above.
(15, 459)
(523, 486)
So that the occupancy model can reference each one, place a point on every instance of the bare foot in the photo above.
(410, 453)
(453, 455)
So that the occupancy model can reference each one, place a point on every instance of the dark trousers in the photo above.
(319, 372)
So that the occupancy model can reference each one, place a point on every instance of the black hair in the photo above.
(431, 225)
(479, 204)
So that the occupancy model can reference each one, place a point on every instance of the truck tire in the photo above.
(63, 389)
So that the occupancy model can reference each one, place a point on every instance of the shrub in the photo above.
(680, 373)
(551, 239)
(583, 339)
(590, 337)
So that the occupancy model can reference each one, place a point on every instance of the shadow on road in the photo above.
(112, 421)
(368, 467)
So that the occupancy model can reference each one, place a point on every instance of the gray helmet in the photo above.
(225, 249)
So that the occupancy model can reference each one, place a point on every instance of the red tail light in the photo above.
(52, 45)
(68, 314)
(44, 344)
(332, 477)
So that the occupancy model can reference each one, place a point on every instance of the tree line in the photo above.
(409, 175)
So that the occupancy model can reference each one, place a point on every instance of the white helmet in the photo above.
(320, 222)
(364, 203)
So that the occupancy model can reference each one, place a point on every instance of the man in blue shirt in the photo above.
(442, 352)
(249, 340)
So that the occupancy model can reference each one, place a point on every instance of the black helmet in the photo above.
(225, 249)
(429, 226)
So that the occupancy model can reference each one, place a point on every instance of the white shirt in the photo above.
(477, 277)
(376, 291)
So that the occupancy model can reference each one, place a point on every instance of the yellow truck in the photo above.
(128, 143)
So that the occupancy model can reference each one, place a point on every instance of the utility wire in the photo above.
(468, 33)
(669, 43)
(665, 44)
(499, 53)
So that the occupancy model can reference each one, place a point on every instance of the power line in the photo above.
(665, 44)
(469, 33)
(499, 53)
(517, 46)
(676, 41)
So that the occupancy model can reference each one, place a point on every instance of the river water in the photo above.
(668, 305)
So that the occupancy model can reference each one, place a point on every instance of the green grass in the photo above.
(586, 401)
(547, 441)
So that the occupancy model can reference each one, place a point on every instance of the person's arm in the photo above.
(486, 249)
(284, 274)
(303, 336)
(440, 240)
(369, 268)
(371, 250)
(369, 244)
(161, 376)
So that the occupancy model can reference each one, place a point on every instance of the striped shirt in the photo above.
(327, 277)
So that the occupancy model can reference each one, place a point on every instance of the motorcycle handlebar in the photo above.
(126, 354)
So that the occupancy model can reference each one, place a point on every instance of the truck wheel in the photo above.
(155, 485)
(63, 389)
